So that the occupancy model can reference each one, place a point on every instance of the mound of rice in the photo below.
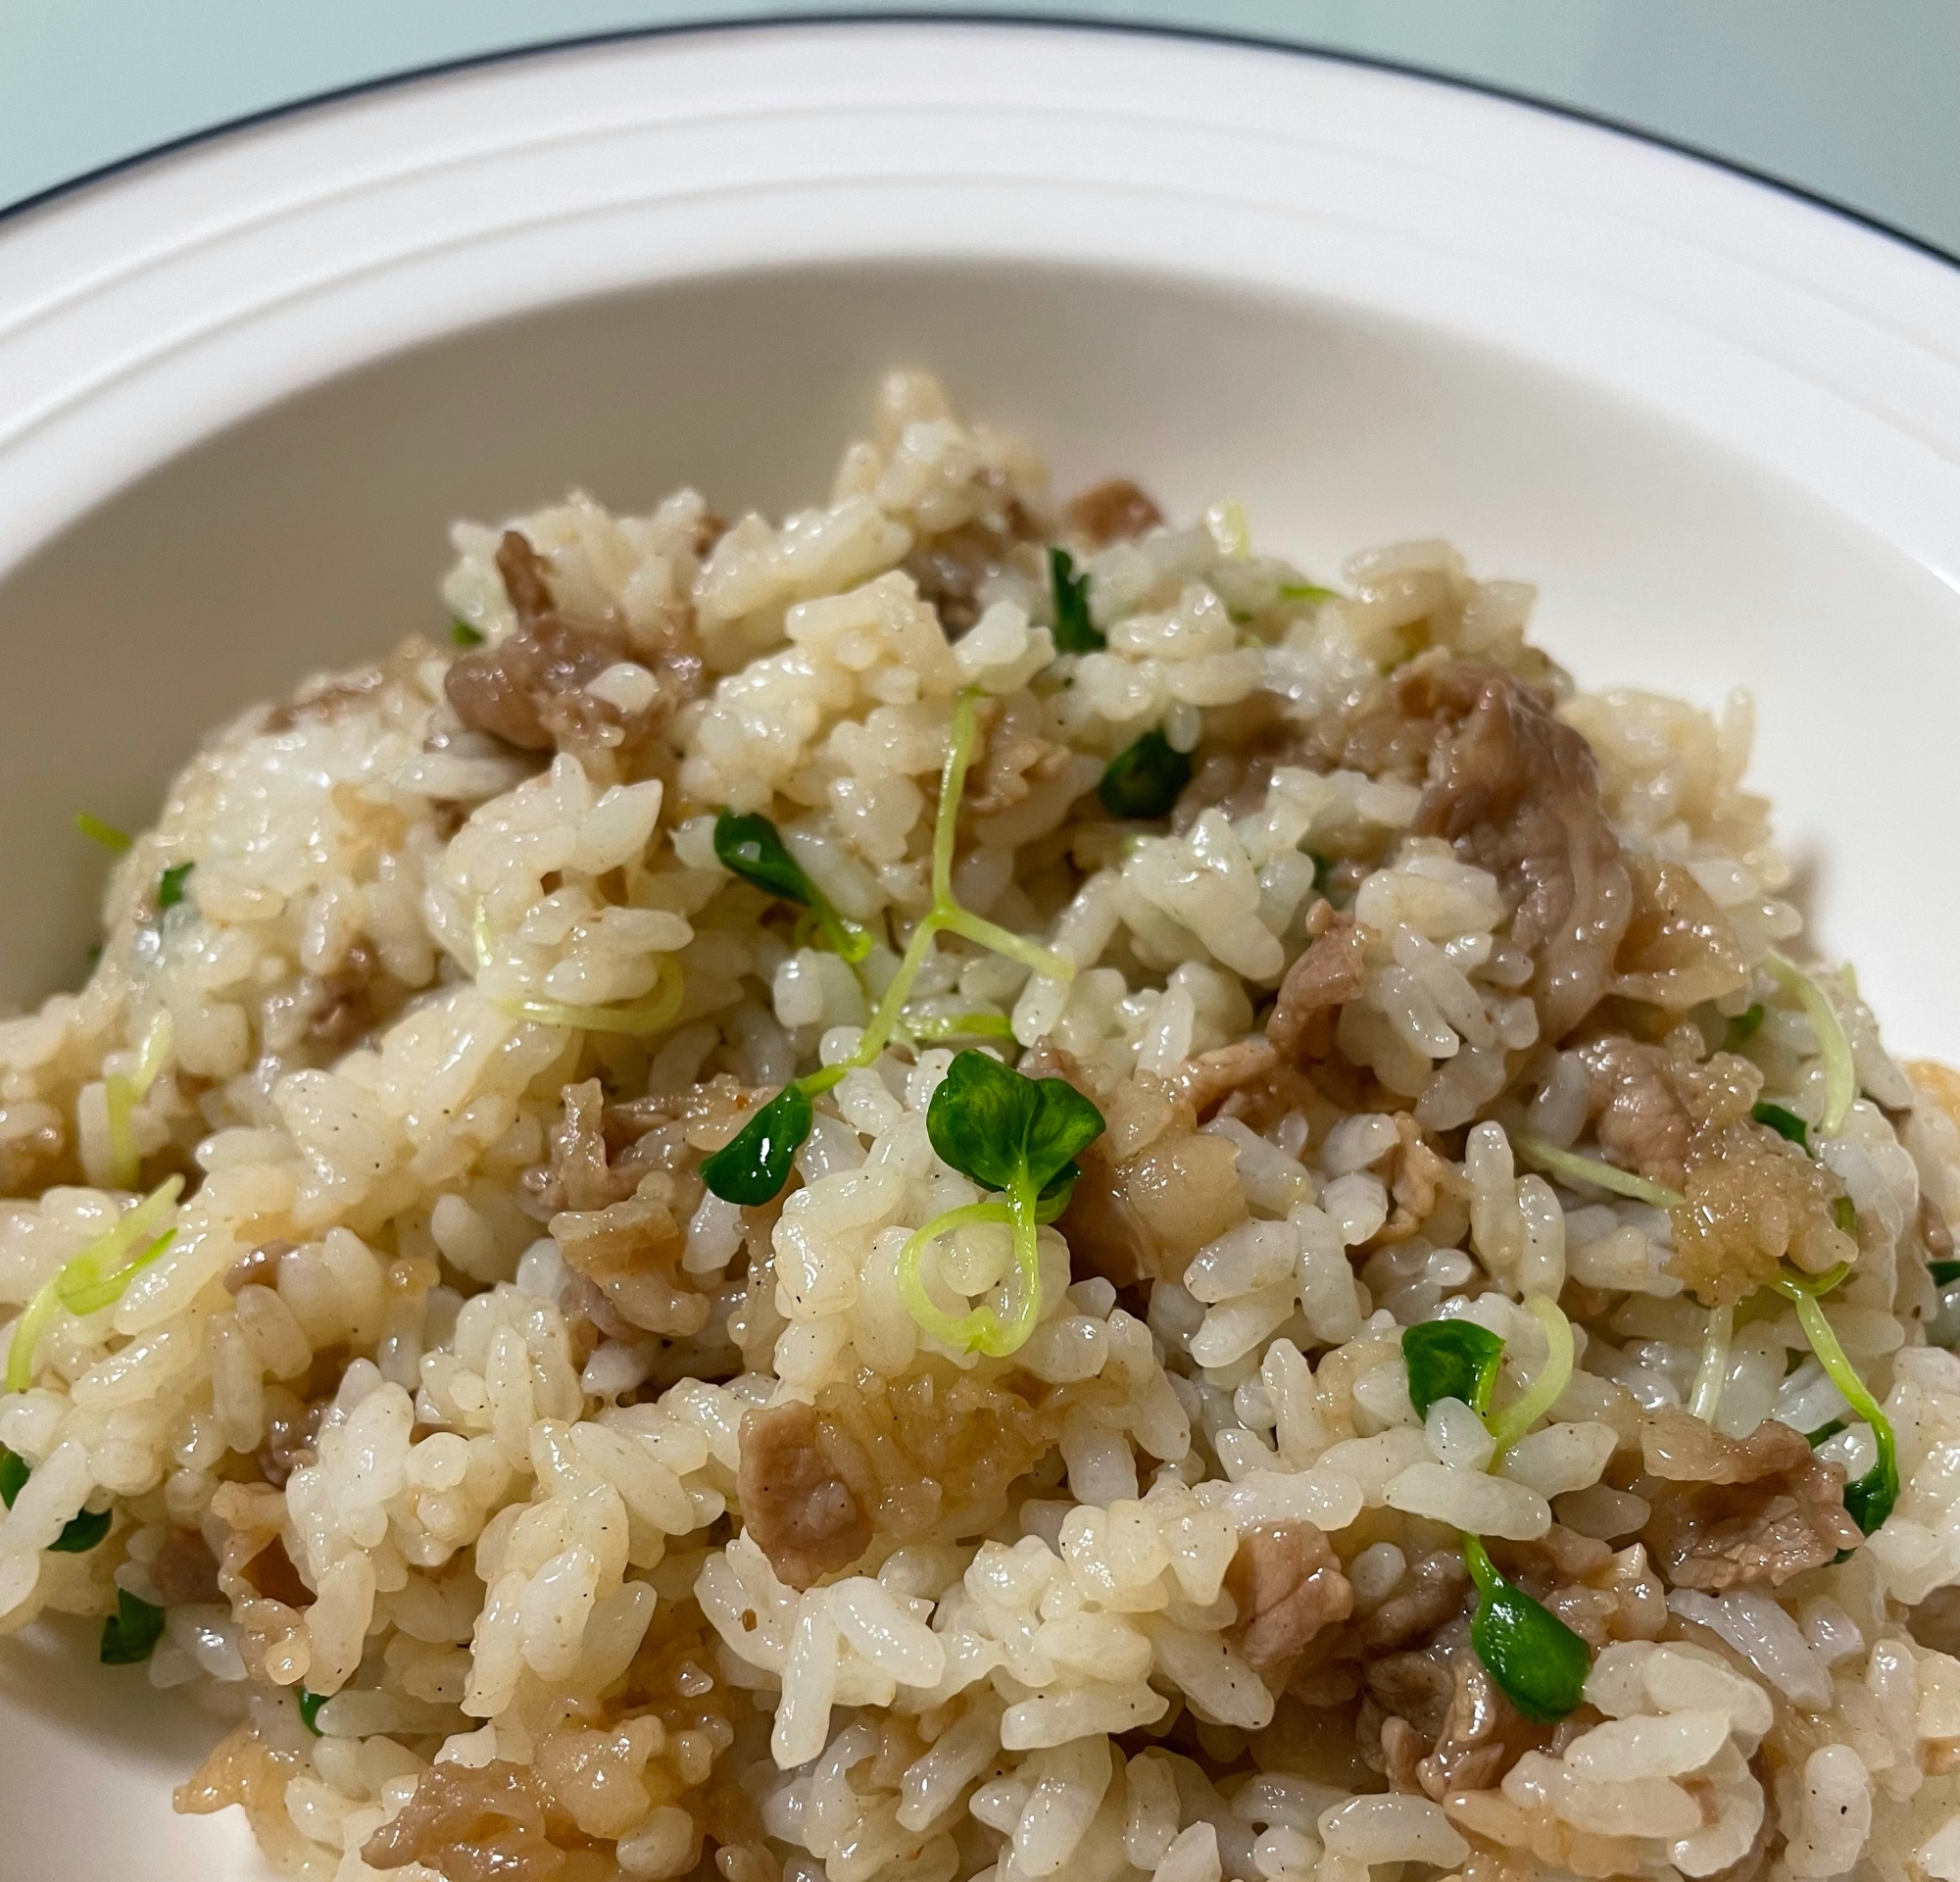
(389, 1374)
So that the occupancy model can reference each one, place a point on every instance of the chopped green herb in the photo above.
(81, 1533)
(1870, 1498)
(1534, 1657)
(15, 1470)
(1145, 780)
(1074, 632)
(1323, 872)
(756, 1171)
(310, 1704)
(1310, 591)
(753, 1166)
(465, 635)
(171, 885)
(1943, 1273)
(751, 846)
(1844, 1212)
(130, 1634)
(1011, 1133)
(1786, 1124)
(107, 834)
(1743, 1028)
(1450, 1360)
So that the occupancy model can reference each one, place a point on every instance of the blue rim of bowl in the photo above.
(1154, 29)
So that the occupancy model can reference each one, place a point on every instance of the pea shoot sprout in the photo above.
(79, 1534)
(1834, 1049)
(753, 1166)
(1870, 1498)
(1074, 632)
(1145, 780)
(1537, 1660)
(655, 1013)
(1575, 1169)
(122, 1092)
(1011, 1133)
(752, 848)
(91, 1281)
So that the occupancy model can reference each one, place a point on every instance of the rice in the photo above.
(391, 1378)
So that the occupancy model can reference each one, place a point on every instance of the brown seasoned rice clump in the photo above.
(445, 1345)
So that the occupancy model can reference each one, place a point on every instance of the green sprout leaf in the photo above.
(1011, 1133)
(1074, 632)
(465, 635)
(751, 846)
(130, 1634)
(1534, 1657)
(15, 1470)
(1942, 1273)
(1786, 1124)
(310, 1704)
(1005, 1130)
(171, 885)
(1844, 1213)
(107, 834)
(1743, 1028)
(1145, 781)
(1323, 872)
(1450, 1360)
(753, 1166)
(82, 1533)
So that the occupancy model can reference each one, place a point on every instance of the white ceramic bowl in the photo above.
(244, 386)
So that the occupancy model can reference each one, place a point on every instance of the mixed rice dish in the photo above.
(970, 1186)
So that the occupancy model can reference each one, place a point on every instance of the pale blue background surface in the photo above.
(1856, 100)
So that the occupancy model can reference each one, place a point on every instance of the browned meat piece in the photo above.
(1287, 1584)
(1679, 949)
(497, 1823)
(184, 1569)
(1147, 1217)
(1431, 1593)
(796, 1502)
(260, 1268)
(28, 1149)
(1417, 1687)
(1517, 793)
(271, 1572)
(1935, 1622)
(1214, 1075)
(1402, 1750)
(1425, 1187)
(578, 1175)
(530, 689)
(632, 1250)
(1332, 971)
(344, 1008)
(949, 570)
(1640, 1117)
(1747, 1512)
(1010, 766)
(1113, 511)
(1483, 1734)
(292, 1426)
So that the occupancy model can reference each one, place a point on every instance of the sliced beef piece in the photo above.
(1738, 1513)
(1331, 972)
(1113, 511)
(1516, 792)
(796, 1502)
(1287, 1583)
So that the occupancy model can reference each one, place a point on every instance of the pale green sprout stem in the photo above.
(1545, 1391)
(653, 1013)
(937, 1026)
(1823, 1342)
(1834, 1049)
(86, 1282)
(1576, 1169)
(980, 1329)
(944, 913)
(122, 1092)
(1713, 1370)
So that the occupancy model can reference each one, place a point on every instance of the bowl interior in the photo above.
(314, 534)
